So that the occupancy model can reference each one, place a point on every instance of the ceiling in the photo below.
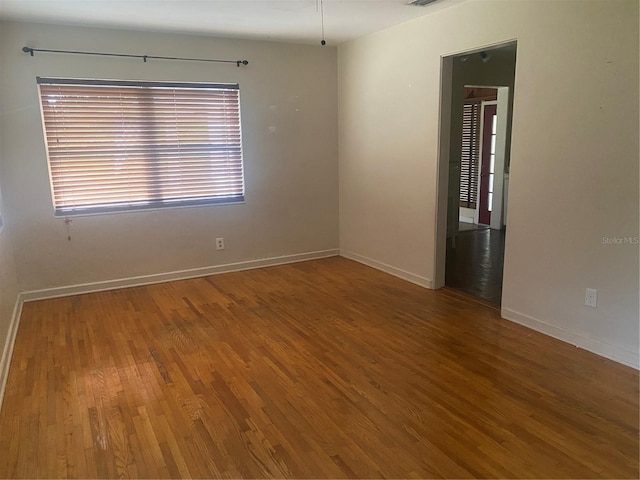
(297, 21)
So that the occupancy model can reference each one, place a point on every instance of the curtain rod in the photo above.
(31, 51)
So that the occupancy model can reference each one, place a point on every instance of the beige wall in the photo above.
(8, 287)
(574, 157)
(289, 113)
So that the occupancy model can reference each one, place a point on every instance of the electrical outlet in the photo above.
(591, 297)
(219, 243)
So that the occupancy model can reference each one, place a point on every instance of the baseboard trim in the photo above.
(7, 351)
(396, 272)
(607, 350)
(171, 276)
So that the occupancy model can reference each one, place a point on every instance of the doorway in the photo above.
(477, 157)
(473, 177)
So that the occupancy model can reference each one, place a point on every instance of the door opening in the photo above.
(471, 217)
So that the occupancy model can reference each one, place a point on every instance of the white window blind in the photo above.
(119, 145)
(470, 160)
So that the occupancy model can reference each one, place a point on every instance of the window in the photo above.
(119, 145)
(469, 161)
(492, 159)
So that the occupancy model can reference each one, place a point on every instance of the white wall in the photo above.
(8, 299)
(574, 157)
(467, 215)
(289, 113)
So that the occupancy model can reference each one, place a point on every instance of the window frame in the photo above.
(181, 200)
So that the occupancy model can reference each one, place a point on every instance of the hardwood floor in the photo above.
(475, 264)
(322, 369)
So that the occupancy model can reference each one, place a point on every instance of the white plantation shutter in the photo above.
(119, 145)
(470, 160)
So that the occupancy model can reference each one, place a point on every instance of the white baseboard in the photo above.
(171, 276)
(7, 351)
(396, 272)
(607, 350)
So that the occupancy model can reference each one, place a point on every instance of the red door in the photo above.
(487, 164)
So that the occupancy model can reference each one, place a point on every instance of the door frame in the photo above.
(499, 199)
(444, 143)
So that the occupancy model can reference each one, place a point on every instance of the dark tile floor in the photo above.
(474, 265)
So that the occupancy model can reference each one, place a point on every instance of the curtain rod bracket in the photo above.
(28, 50)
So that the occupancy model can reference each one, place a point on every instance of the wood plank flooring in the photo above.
(321, 369)
(475, 264)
